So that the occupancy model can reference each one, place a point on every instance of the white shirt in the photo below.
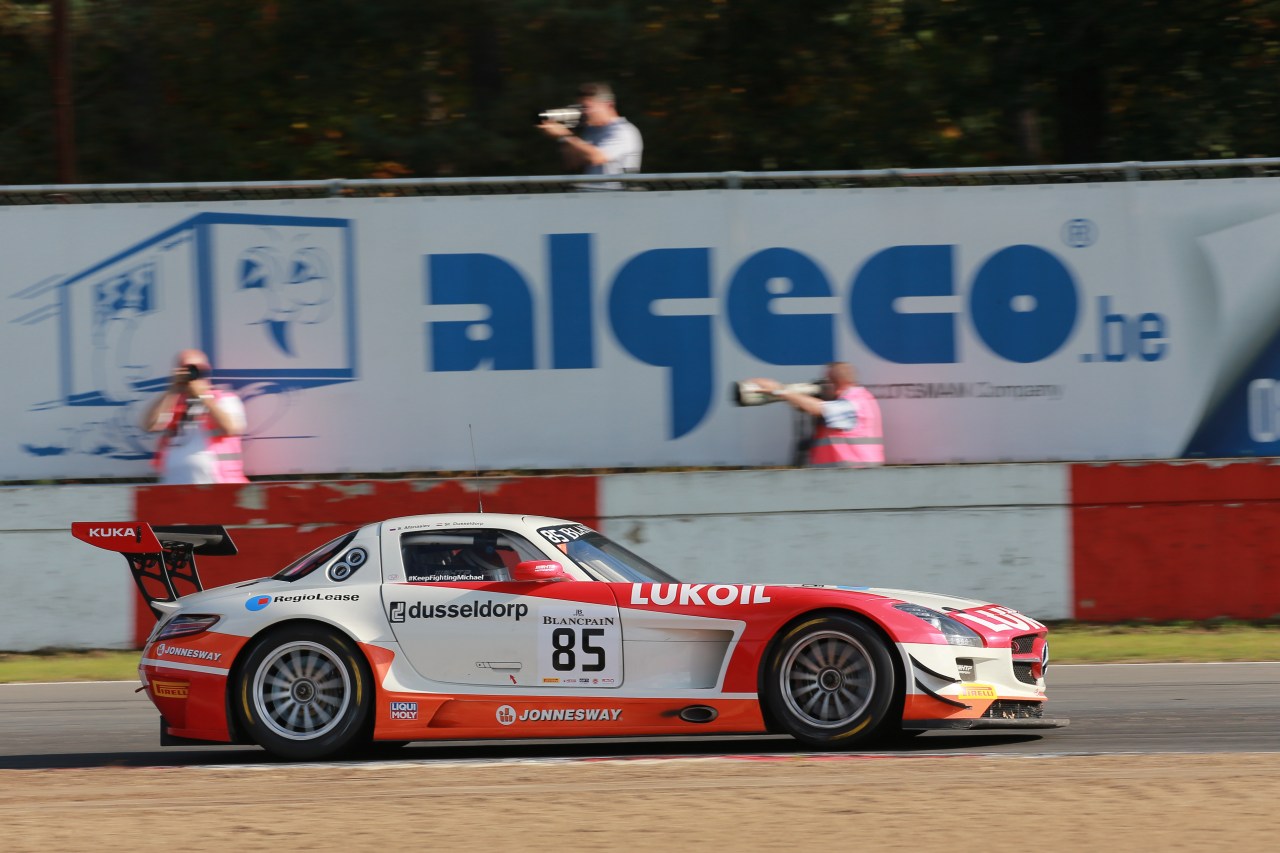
(621, 143)
(187, 458)
(839, 414)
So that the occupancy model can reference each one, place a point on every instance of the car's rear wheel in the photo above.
(830, 681)
(304, 692)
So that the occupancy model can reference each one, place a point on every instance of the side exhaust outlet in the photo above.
(698, 714)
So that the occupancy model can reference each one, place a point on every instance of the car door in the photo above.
(460, 619)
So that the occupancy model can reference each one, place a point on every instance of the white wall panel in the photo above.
(1000, 533)
(60, 592)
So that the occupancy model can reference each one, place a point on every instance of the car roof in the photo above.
(469, 519)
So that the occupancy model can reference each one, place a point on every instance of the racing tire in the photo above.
(304, 693)
(830, 682)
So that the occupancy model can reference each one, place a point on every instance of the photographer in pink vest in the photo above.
(847, 429)
(202, 426)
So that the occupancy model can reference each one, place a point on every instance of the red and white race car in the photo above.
(469, 626)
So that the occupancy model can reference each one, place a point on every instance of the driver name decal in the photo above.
(697, 594)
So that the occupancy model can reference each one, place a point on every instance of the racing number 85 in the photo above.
(564, 658)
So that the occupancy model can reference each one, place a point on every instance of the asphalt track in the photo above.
(1113, 708)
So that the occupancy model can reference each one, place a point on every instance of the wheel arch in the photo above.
(899, 669)
(234, 723)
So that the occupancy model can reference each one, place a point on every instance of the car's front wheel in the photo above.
(304, 692)
(830, 681)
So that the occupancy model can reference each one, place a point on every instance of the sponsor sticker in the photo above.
(569, 715)
(260, 602)
(507, 715)
(977, 691)
(181, 652)
(697, 594)
(404, 710)
(399, 611)
(109, 532)
(170, 689)
(318, 596)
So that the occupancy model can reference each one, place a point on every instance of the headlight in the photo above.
(185, 626)
(957, 634)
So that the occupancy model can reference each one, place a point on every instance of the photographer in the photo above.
(847, 431)
(606, 143)
(202, 426)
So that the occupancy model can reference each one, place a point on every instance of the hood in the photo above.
(932, 600)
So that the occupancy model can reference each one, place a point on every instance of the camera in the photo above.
(570, 116)
(195, 371)
(750, 394)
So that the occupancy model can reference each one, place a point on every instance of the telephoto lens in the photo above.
(568, 116)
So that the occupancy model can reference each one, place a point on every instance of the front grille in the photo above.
(1022, 671)
(1024, 644)
(1007, 709)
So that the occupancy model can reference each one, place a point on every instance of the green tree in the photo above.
(186, 90)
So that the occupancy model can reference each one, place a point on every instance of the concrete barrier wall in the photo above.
(1176, 540)
(998, 532)
(56, 592)
(1106, 542)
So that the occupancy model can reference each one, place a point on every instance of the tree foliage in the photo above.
(178, 90)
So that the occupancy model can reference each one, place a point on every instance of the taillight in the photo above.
(185, 626)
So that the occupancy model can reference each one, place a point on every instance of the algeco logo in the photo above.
(487, 609)
(1021, 301)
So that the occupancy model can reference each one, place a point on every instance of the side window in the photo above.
(463, 556)
(308, 563)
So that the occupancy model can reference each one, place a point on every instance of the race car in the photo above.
(479, 625)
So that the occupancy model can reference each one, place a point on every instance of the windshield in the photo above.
(602, 557)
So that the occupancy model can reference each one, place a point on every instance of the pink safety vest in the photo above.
(228, 460)
(853, 448)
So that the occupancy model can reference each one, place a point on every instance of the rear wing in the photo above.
(162, 560)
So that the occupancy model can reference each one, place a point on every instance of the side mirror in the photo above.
(539, 570)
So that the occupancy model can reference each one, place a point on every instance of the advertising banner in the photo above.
(603, 330)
